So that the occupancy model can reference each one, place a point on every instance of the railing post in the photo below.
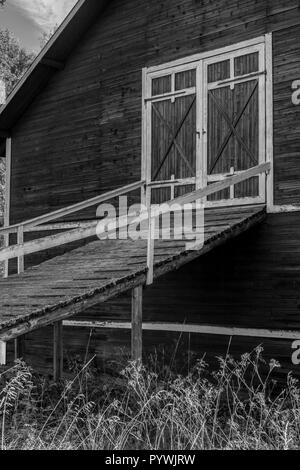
(20, 241)
(2, 353)
(6, 262)
(19, 343)
(150, 249)
(57, 351)
(137, 324)
(144, 190)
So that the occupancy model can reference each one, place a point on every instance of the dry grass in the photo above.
(233, 408)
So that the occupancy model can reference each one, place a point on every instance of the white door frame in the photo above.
(260, 75)
(200, 62)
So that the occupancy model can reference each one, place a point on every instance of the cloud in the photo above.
(44, 13)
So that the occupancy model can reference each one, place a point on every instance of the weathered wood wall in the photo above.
(110, 351)
(286, 116)
(82, 135)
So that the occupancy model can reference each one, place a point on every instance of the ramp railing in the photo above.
(21, 249)
(87, 230)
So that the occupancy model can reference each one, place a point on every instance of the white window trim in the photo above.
(269, 120)
(207, 55)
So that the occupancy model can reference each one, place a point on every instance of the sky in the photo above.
(28, 19)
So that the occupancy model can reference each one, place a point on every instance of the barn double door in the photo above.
(205, 120)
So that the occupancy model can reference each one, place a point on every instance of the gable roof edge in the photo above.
(50, 60)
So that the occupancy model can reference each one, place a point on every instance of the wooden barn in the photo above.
(164, 100)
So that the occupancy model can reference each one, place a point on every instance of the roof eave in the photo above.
(50, 60)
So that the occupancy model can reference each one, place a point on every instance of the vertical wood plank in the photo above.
(2, 353)
(57, 351)
(204, 136)
(20, 242)
(150, 249)
(199, 127)
(262, 121)
(148, 133)
(7, 198)
(19, 347)
(269, 123)
(173, 188)
(144, 137)
(137, 324)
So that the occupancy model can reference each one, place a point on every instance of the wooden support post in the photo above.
(57, 351)
(150, 249)
(2, 353)
(137, 324)
(19, 345)
(20, 242)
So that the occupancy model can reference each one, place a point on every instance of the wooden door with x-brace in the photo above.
(234, 123)
(205, 120)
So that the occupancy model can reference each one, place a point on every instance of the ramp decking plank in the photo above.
(99, 270)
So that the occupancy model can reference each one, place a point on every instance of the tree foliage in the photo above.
(47, 35)
(14, 60)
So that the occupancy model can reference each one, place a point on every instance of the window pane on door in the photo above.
(186, 79)
(219, 71)
(246, 64)
(161, 85)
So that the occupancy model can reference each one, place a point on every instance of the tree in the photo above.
(47, 35)
(14, 60)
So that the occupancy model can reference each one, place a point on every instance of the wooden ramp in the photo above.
(69, 284)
